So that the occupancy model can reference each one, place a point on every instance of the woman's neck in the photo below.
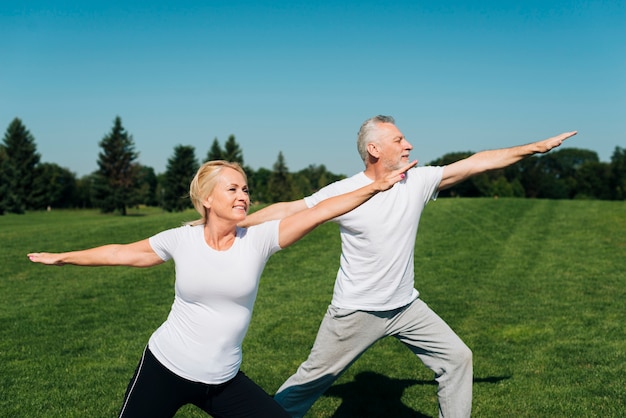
(219, 237)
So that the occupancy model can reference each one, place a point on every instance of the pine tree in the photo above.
(181, 168)
(147, 186)
(4, 181)
(232, 151)
(281, 184)
(618, 174)
(84, 191)
(258, 184)
(216, 152)
(19, 167)
(116, 179)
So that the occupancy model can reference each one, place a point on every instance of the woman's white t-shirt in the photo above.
(214, 296)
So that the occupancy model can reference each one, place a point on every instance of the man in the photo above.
(374, 294)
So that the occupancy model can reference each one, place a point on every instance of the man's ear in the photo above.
(372, 148)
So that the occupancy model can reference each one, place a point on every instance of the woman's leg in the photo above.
(240, 398)
(154, 391)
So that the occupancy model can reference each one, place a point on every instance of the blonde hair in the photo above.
(203, 184)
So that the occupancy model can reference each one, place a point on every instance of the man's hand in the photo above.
(550, 143)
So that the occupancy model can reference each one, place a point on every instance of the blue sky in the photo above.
(299, 77)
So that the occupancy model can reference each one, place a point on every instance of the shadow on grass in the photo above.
(373, 395)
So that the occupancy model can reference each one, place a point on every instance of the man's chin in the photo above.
(399, 165)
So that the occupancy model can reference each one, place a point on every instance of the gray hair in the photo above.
(367, 134)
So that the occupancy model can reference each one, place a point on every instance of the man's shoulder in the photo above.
(349, 183)
(338, 187)
(433, 171)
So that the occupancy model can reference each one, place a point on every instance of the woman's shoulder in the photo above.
(180, 231)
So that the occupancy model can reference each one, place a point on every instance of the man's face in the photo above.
(392, 146)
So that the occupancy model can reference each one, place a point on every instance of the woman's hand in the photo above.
(392, 178)
(136, 254)
(46, 258)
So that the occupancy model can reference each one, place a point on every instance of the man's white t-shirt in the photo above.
(214, 296)
(376, 271)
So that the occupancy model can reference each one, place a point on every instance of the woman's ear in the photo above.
(207, 202)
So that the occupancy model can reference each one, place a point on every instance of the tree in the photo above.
(313, 178)
(468, 188)
(559, 169)
(281, 185)
(495, 184)
(181, 168)
(302, 185)
(147, 186)
(115, 184)
(318, 177)
(593, 181)
(84, 190)
(563, 165)
(54, 187)
(216, 152)
(258, 184)
(19, 166)
(4, 181)
(532, 178)
(618, 174)
(232, 151)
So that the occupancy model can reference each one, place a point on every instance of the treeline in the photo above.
(567, 173)
(121, 182)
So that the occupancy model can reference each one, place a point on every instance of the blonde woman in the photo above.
(195, 355)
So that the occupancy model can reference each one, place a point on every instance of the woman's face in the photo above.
(229, 199)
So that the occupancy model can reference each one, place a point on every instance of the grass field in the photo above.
(535, 287)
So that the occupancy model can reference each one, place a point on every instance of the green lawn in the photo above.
(535, 287)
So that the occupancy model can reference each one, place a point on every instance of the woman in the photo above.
(194, 356)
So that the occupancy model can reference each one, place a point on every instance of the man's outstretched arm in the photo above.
(494, 159)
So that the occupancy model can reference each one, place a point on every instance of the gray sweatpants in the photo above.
(345, 334)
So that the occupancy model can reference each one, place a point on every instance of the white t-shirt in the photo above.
(376, 270)
(214, 296)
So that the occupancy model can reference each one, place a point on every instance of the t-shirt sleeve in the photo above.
(315, 198)
(165, 242)
(434, 175)
(264, 237)
(325, 192)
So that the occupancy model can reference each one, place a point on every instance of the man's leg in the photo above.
(343, 336)
(442, 351)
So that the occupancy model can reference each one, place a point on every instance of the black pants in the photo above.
(154, 391)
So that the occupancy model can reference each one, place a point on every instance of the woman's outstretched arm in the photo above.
(136, 254)
(295, 226)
